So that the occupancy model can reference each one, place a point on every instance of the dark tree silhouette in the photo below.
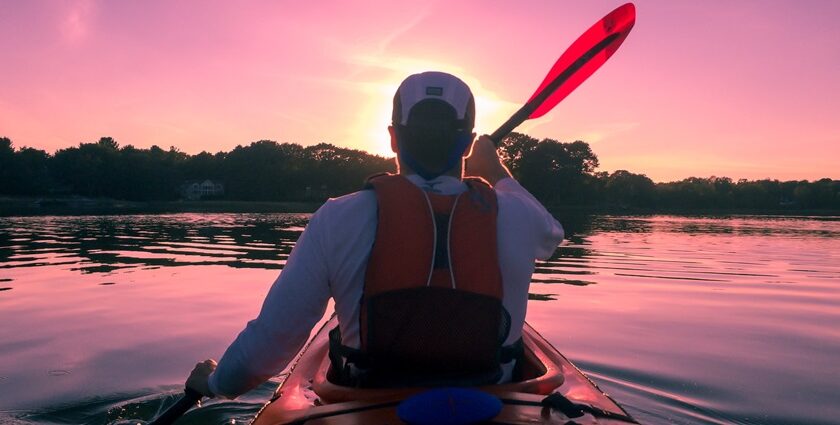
(551, 170)
(23, 172)
(555, 172)
(627, 189)
(8, 174)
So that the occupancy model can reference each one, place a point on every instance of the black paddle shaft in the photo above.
(527, 109)
(187, 401)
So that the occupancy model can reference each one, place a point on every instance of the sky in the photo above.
(743, 89)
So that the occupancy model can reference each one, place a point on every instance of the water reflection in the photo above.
(656, 256)
(106, 244)
(681, 319)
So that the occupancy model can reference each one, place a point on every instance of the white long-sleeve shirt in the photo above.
(330, 258)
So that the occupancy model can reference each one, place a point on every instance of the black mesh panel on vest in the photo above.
(435, 336)
(442, 243)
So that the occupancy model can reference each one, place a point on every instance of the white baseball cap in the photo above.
(433, 86)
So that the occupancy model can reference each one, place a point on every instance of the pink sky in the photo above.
(746, 89)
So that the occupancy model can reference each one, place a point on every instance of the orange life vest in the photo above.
(431, 311)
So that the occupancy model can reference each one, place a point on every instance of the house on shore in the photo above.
(194, 190)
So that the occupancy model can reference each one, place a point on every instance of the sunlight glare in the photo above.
(374, 118)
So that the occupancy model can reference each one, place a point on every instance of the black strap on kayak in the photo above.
(560, 402)
(514, 351)
(341, 356)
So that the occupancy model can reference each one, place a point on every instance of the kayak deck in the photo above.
(308, 397)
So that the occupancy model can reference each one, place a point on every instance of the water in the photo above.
(680, 319)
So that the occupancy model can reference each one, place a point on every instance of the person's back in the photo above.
(414, 256)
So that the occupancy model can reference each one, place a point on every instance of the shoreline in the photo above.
(711, 212)
(34, 207)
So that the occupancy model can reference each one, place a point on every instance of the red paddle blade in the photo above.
(615, 25)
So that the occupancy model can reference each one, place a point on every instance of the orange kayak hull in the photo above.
(307, 397)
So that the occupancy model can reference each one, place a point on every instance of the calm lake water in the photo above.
(680, 319)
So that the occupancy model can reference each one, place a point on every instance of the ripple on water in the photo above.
(681, 319)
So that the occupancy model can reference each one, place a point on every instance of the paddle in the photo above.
(188, 400)
(575, 65)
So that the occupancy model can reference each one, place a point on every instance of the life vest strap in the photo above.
(512, 352)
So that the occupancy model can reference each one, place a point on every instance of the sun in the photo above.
(374, 116)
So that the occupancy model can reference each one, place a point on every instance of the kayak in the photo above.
(551, 390)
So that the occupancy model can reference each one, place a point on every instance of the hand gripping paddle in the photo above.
(575, 65)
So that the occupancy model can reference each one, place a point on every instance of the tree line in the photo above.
(557, 173)
(566, 174)
(262, 171)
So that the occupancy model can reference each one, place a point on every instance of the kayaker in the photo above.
(429, 271)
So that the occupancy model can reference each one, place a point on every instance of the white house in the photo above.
(197, 189)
